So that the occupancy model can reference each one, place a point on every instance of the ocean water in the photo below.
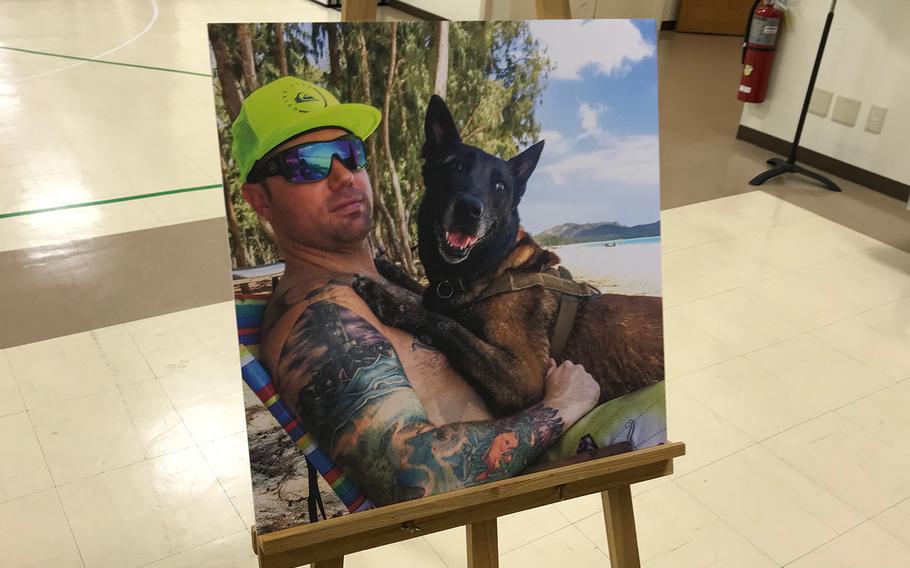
(631, 267)
(621, 242)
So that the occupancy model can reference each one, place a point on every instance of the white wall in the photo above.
(867, 58)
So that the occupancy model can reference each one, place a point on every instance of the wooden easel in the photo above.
(324, 544)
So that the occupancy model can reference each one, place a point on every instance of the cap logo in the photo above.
(302, 101)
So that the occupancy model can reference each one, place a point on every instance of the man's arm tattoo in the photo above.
(321, 289)
(347, 384)
(279, 304)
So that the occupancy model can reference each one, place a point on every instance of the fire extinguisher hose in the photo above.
(749, 28)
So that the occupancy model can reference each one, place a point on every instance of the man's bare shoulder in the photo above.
(290, 301)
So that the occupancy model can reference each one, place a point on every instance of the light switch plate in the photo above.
(876, 119)
(821, 102)
(846, 111)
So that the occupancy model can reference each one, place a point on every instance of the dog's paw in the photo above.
(397, 275)
(386, 267)
(369, 290)
(392, 309)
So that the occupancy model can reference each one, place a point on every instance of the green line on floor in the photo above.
(106, 201)
(105, 61)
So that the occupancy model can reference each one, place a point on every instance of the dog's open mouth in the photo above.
(456, 245)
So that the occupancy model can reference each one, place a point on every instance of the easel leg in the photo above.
(620, 519)
(553, 9)
(355, 10)
(331, 563)
(483, 548)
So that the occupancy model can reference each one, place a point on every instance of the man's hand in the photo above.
(571, 390)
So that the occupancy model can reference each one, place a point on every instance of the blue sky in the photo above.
(598, 116)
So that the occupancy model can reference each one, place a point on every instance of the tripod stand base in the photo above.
(782, 166)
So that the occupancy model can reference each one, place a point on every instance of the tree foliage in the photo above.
(493, 83)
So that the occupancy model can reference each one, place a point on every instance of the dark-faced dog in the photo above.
(469, 236)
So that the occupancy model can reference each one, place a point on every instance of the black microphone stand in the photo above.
(789, 165)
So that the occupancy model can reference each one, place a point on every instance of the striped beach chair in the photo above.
(250, 308)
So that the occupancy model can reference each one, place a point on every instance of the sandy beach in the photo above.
(279, 473)
(631, 267)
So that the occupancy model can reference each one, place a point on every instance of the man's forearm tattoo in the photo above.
(347, 384)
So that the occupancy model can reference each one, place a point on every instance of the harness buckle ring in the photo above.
(445, 289)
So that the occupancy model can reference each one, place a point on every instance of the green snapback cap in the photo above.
(286, 107)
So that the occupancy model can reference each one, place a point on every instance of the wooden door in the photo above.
(726, 17)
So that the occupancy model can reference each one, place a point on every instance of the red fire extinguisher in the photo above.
(759, 46)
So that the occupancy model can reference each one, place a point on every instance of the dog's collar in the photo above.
(445, 289)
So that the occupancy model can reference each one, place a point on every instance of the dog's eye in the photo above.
(455, 165)
(500, 186)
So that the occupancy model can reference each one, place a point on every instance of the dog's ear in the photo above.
(439, 128)
(523, 164)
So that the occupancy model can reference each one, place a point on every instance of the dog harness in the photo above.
(556, 279)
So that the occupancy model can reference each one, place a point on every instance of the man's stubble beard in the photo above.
(355, 232)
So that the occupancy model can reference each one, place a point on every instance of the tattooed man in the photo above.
(389, 410)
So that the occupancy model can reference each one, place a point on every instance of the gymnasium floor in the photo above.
(121, 425)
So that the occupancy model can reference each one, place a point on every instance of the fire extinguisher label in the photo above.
(745, 89)
(764, 31)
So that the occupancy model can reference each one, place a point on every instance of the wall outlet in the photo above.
(846, 110)
(876, 119)
(821, 102)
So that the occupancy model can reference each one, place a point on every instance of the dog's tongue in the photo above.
(460, 240)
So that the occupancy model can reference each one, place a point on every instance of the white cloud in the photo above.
(623, 159)
(601, 156)
(590, 118)
(555, 142)
(611, 46)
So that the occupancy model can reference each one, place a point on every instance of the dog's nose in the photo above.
(471, 206)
